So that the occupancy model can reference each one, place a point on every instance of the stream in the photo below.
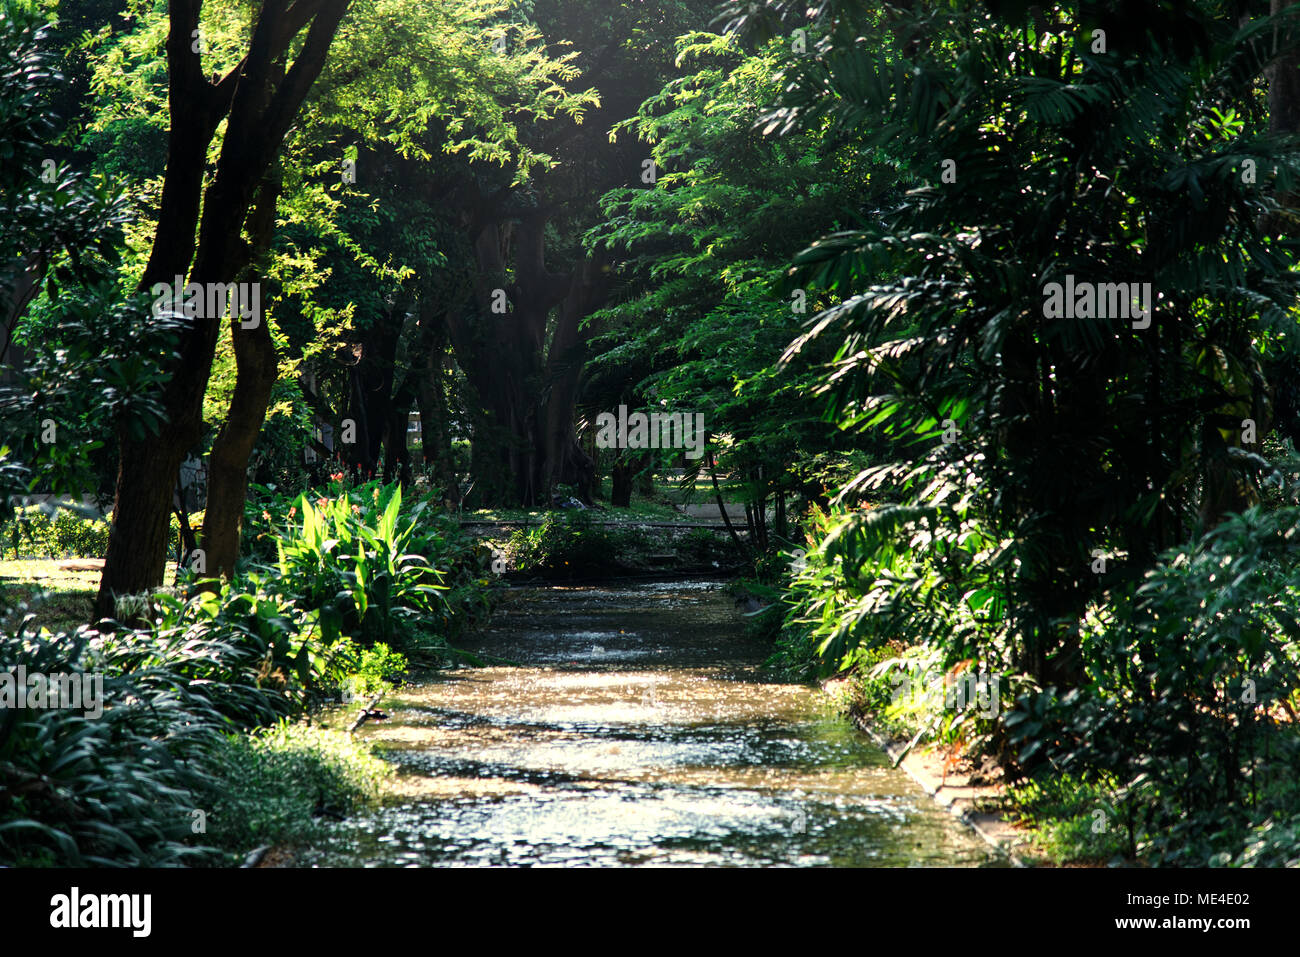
(636, 727)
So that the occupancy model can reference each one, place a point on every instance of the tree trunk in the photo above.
(138, 538)
(257, 366)
(431, 399)
(1284, 84)
(621, 482)
(370, 405)
(397, 452)
(523, 442)
(563, 459)
(260, 113)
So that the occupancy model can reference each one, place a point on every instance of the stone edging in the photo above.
(993, 829)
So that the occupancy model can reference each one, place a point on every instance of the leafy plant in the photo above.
(1192, 691)
(280, 784)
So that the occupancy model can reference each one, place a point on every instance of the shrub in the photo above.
(571, 543)
(364, 568)
(564, 541)
(274, 786)
(1192, 682)
(245, 656)
(1074, 818)
(379, 568)
(35, 532)
(371, 671)
(894, 573)
(116, 789)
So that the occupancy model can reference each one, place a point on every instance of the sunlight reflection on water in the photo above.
(638, 729)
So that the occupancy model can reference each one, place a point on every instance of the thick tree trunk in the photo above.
(397, 452)
(1284, 85)
(138, 538)
(260, 113)
(372, 389)
(563, 459)
(524, 443)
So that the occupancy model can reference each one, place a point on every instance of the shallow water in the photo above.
(636, 728)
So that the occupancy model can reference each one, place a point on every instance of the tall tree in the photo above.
(199, 236)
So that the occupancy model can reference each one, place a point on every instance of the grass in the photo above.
(279, 785)
(60, 598)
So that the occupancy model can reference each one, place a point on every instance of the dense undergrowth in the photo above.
(183, 748)
(1178, 745)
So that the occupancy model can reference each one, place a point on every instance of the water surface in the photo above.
(637, 727)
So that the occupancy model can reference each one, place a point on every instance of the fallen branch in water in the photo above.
(366, 712)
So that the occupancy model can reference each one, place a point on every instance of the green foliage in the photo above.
(82, 789)
(1073, 820)
(34, 532)
(378, 570)
(245, 655)
(1027, 445)
(257, 651)
(705, 248)
(1082, 434)
(99, 351)
(895, 574)
(1274, 843)
(122, 788)
(570, 543)
(1192, 689)
(274, 786)
(371, 671)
